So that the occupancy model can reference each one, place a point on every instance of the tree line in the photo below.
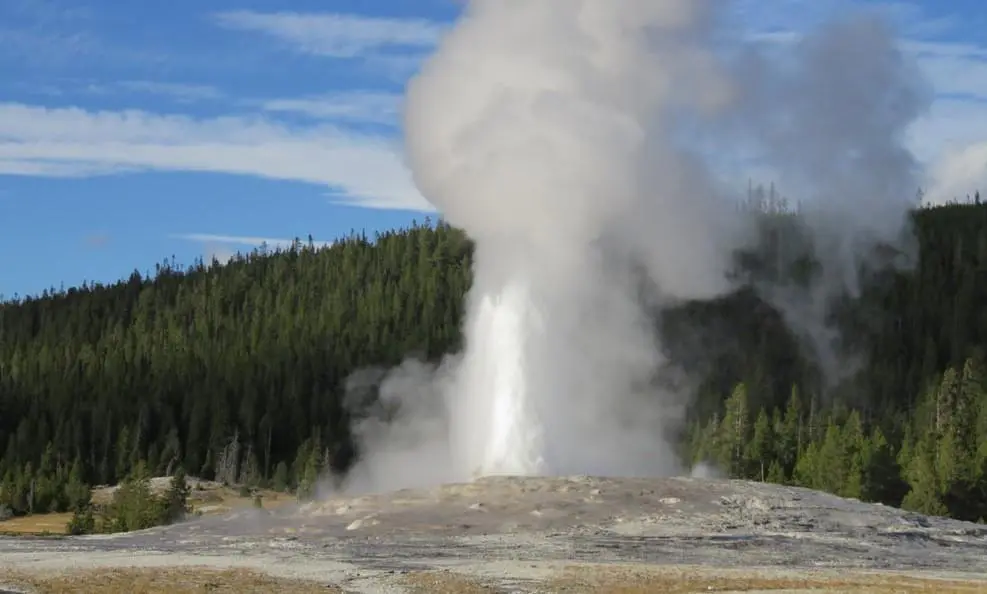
(932, 461)
(237, 372)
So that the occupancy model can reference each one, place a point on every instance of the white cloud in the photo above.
(41, 168)
(243, 240)
(396, 67)
(367, 170)
(958, 173)
(218, 247)
(335, 35)
(952, 68)
(952, 139)
(355, 106)
(179, 91)
(363, 169)
(949, 125)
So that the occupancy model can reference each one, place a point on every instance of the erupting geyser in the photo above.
(585, 146)
(539, 128)
(501, 432)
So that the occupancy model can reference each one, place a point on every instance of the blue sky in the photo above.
(134, 131)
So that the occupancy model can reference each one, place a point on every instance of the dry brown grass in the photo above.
(443, 582)
(226, 499)
(634, 580)
(161, 581)
(573, 579)
(36, 524)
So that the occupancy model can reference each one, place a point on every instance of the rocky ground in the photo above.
(575, 534)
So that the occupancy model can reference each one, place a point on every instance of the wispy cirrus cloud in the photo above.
(349, 106)
(73, 87)
(183, 92)
(367, 169)
(336, 35)
(245, 240)
(362, 169)
(953, 68)
(221, 248)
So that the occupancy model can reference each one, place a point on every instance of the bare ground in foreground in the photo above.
(575, 534)
(575, 579)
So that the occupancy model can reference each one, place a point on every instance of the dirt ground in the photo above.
(525, 535)
(159, 581)
(637, 580)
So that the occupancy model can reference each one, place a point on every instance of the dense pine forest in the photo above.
(237, 371)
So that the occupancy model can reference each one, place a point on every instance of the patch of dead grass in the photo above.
(443, 582)
(36, 524)
(225, 499)
(575, 579)
(634, 580)
(160, 581)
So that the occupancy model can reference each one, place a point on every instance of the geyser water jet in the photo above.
(537, 382)
(561, 135)
(501, 425)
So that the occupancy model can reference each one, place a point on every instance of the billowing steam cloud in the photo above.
(831, 122)
(561, 135)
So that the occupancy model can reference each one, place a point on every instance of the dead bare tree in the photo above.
(228, 461)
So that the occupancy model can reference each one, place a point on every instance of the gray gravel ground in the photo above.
(514, 533)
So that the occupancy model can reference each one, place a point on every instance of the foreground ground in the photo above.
(573, 534)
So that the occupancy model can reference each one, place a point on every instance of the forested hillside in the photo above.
(237, 371)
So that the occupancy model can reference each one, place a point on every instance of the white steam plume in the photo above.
(558, 135)
(540, 128)
(831, 121)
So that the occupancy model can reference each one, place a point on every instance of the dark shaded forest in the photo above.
(237, 371)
